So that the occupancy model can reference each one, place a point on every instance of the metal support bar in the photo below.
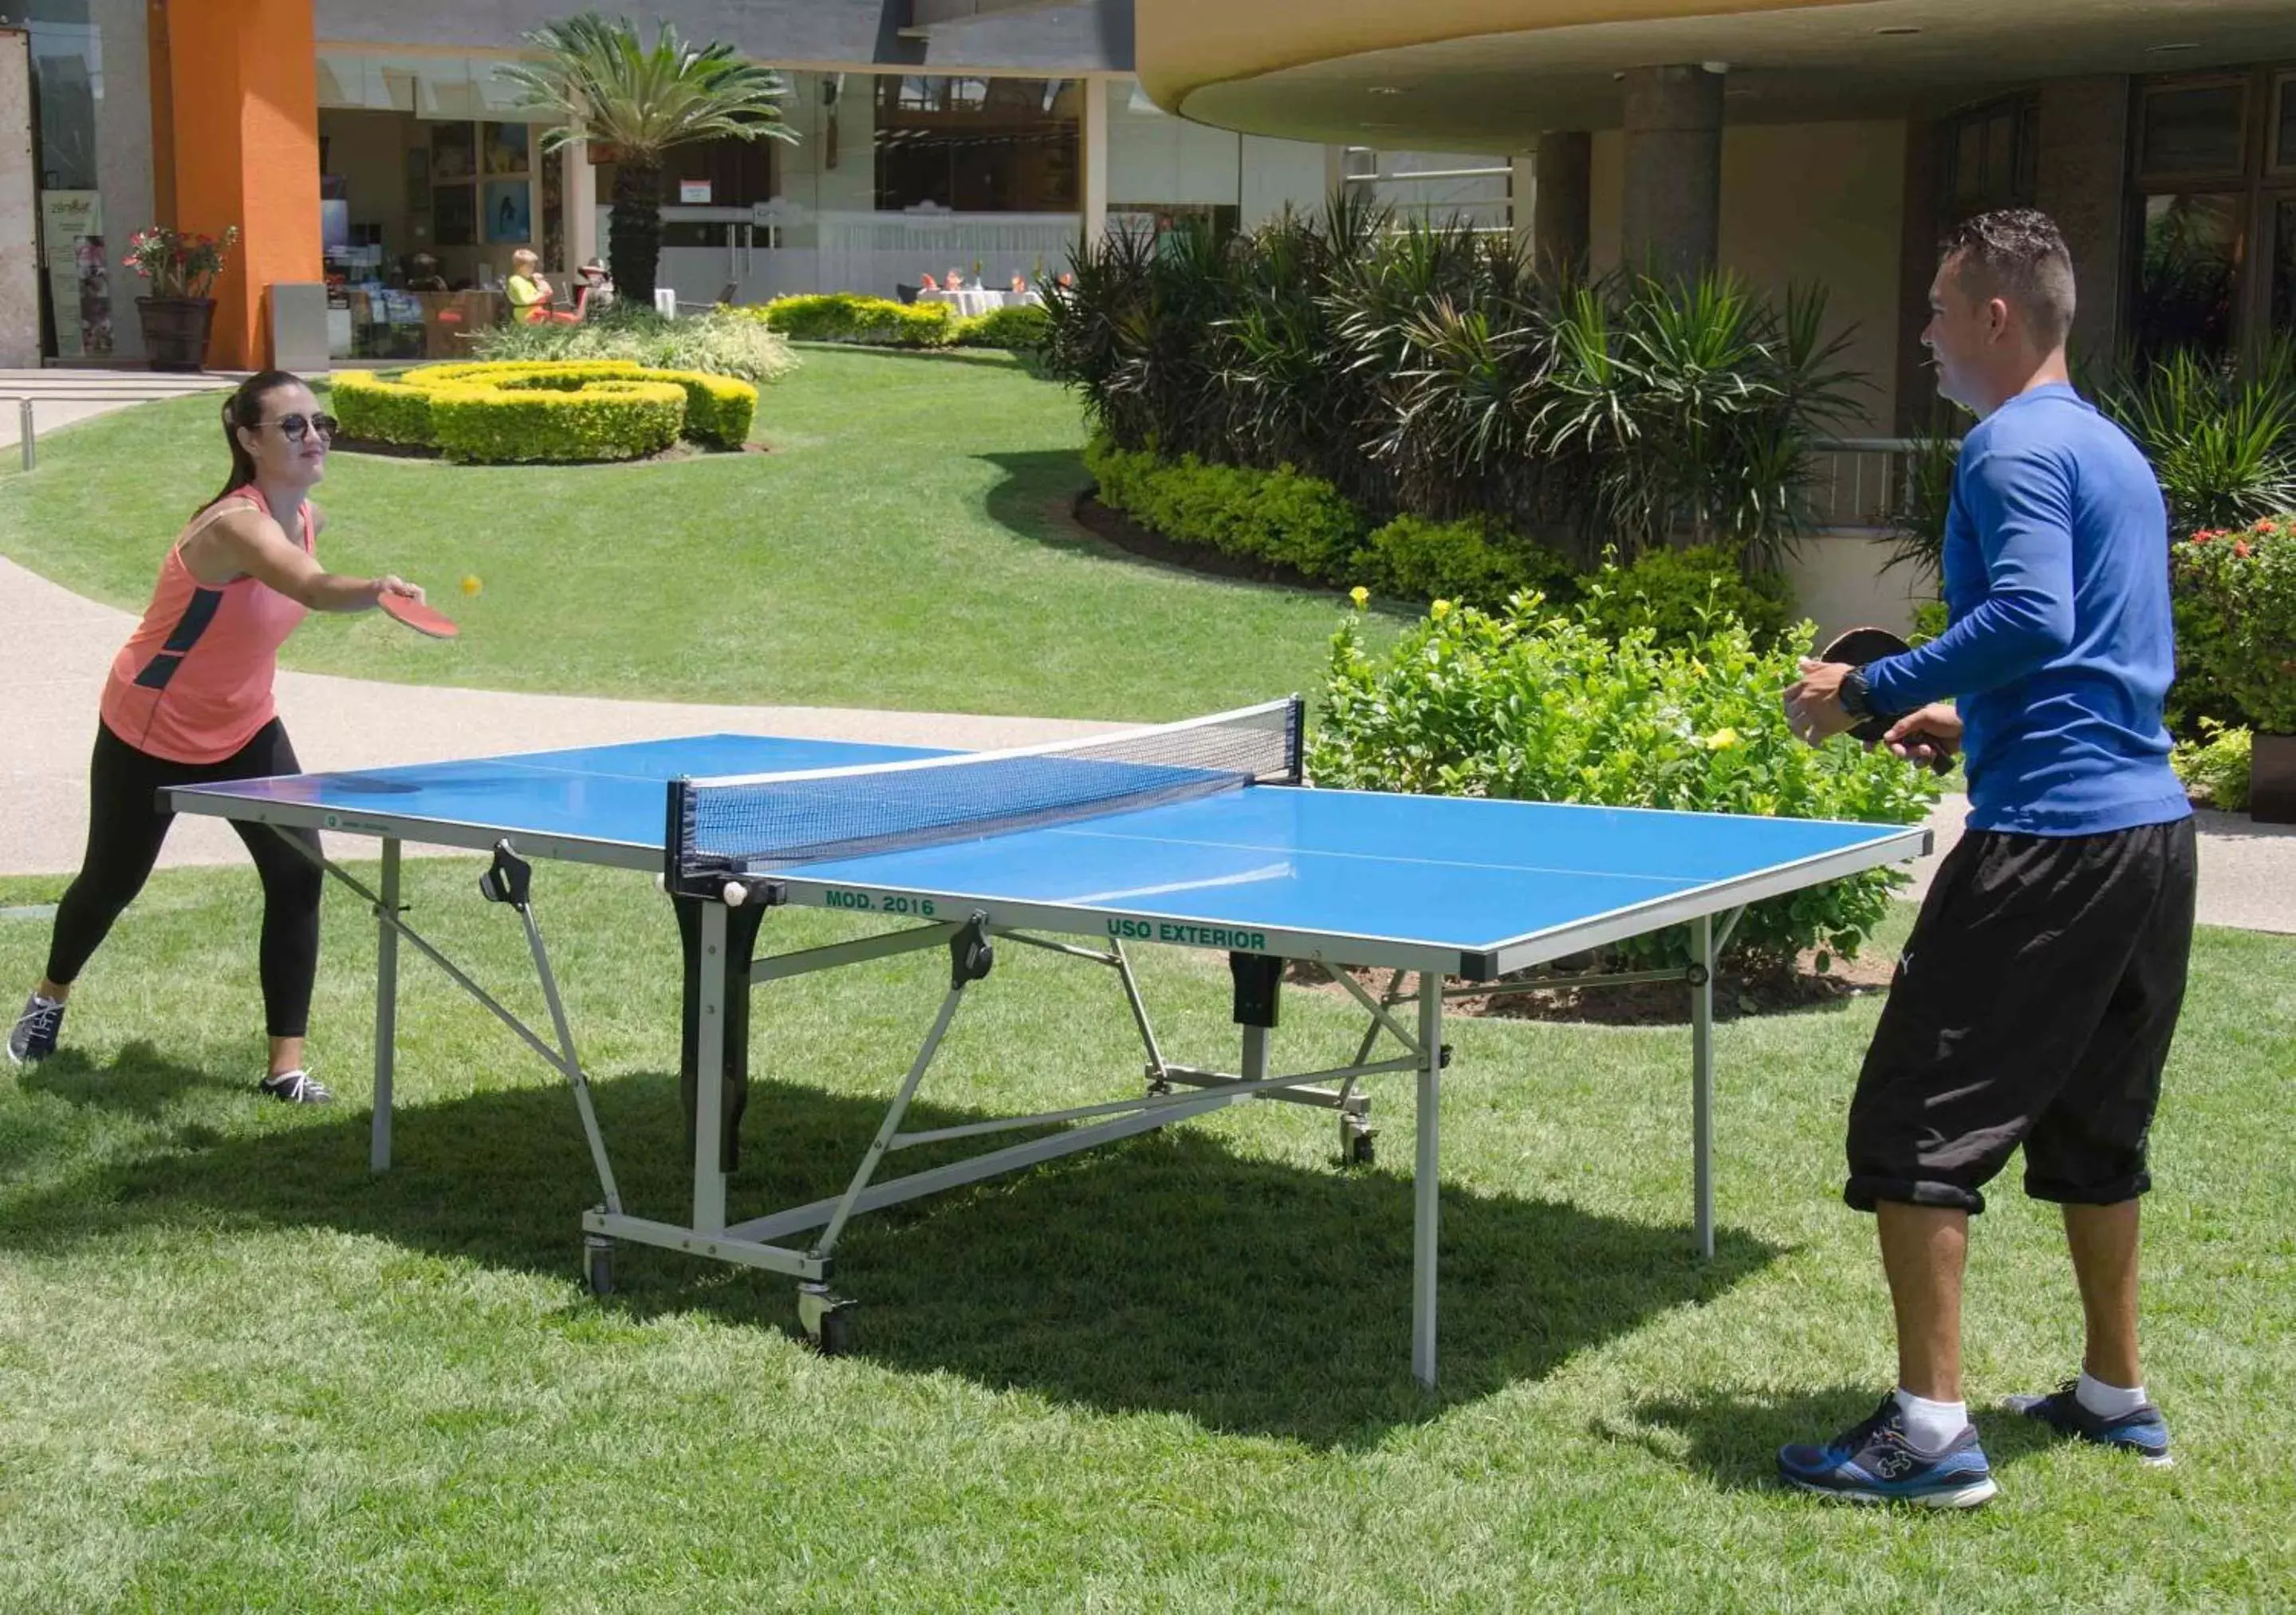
(1377, 1006)
(574, 1075)
(385, 1008)
(891, 1125)
(549, 1056)
(727, 1247)
(916, 1185)
(1701, 1083)
(1625, 978)
(1265, 1087)
(1070, 949)
(1156, 1069)
(1426, 1179)
(1289, 1088)
(777, 967)
(1729, 928)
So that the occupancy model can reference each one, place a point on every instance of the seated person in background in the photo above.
(929, 283)
(423, 274)
(529, 294)
(1020, 285)
(955, 281)
(597, 288)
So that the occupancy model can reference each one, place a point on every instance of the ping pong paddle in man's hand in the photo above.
(422, 618)
(1857, 647)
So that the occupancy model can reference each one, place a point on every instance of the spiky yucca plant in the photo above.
(644, 101)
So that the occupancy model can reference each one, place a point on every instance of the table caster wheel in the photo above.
(826, 1319)
(1365, 1150)
(1357, 1148)
(598, 1263)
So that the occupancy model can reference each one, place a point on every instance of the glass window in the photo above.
(2188, 276)
(978, 145)
(2194, 129)
(1989, 154)
(68, 87)
(2283, 139)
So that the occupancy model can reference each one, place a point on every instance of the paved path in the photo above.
(62, 394)
(55, 646)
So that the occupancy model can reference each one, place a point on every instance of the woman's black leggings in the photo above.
(126, 826)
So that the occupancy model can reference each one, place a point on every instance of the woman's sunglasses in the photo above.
(295, 428)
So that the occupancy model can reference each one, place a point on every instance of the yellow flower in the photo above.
(1360, 595)
(1439, 610)
(1722, 740)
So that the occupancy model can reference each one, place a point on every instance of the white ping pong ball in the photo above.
(737, 894)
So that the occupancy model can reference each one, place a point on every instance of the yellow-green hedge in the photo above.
(575, 409)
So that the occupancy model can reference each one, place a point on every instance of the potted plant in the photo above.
(178, 314)
(2237, 632)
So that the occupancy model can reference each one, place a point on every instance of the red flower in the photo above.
(2240, 549)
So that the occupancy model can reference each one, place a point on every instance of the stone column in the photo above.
(581, 193)
(1564, 163)
(1671, 220)
(2080, 181)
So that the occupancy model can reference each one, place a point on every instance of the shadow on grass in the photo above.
(1733, 1438)
(1165, 1274)
(139, 1080)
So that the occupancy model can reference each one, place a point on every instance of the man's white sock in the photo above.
(1932, 1425)
(2107, 1401)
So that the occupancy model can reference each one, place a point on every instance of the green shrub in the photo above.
(848, 317)
(2235, 596)
(1676, 593)
(1469, 562)
(724, 342)
(543, 421)
(1279, 516)
(2215, 767)
(378, 410)
(1930, 620)
(1024, 328)
(538, 405)
(1533, 704)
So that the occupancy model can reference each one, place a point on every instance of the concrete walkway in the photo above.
(64, 393)
(55, 648)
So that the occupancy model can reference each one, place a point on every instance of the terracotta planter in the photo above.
(175, 331)
(2272, 779)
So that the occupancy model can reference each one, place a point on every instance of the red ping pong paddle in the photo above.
(1859, 646)
(424, 620)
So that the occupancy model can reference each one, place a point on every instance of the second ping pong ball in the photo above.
(471, 584)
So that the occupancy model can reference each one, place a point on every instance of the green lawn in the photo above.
(906, 545)
(237, 1372)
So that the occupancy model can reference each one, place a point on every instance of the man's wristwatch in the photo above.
(1855, 695)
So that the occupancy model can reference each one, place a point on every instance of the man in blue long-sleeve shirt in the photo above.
(2037, 995)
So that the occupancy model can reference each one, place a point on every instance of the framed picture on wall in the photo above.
(418, 180)
(454, 151)
(454, 214)
(510, 210)
(506, 148)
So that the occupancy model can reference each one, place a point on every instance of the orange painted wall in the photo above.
(245, 151)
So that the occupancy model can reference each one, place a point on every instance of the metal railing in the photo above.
(26, 404)
(1862, 482)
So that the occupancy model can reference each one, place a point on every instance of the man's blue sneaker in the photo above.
(2140, 1431)
(1876, 1462)
(34, 1034)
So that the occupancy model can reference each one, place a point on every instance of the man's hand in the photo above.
(1925, 733)
(1813, 709)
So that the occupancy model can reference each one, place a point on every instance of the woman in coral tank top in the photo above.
(189, 702)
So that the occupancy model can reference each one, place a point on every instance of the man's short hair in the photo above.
(2018, 255)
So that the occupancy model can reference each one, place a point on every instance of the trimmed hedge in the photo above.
(880, 322)
(573, 410)
(848, 317)
(1305, 524)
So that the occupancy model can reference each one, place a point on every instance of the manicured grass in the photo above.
(906, 545)
(238, 1373)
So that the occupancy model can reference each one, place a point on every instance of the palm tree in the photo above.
(643, 100)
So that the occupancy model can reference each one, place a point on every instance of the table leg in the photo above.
(1701, 1080)
(1426, 1179)
(385, 1008)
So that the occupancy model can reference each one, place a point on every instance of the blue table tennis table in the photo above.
(1198, 835)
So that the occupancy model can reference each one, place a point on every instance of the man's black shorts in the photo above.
(2034, 1005)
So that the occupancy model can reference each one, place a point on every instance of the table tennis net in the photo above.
(758, 822)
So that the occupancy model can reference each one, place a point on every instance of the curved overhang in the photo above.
(1489, 75)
